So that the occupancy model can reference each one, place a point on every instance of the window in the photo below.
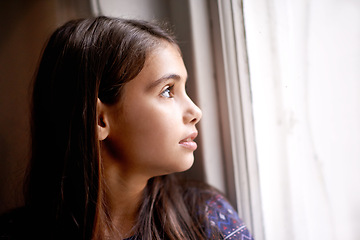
(231, 89)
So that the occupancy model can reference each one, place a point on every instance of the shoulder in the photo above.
(224, 217)
(12, 224)
(215, 211)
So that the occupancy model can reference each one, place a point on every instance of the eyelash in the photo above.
(169, 90)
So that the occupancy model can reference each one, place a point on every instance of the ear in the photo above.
(103, 127)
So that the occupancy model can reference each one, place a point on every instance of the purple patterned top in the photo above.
(223, 216)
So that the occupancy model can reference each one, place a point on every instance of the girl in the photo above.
(111, 123)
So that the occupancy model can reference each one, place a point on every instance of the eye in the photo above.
(167, 92)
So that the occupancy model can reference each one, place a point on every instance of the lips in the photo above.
(188, 142)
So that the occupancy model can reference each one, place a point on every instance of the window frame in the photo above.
(235, 161)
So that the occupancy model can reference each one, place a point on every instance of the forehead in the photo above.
(163, 60)
(163, 50)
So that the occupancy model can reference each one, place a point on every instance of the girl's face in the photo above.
(152, 128)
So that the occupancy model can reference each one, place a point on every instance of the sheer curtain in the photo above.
(304, 59)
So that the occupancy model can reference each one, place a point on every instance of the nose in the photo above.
(193, 113)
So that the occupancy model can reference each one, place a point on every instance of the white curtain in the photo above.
(304, 59)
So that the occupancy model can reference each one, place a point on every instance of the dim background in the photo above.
(303, 60)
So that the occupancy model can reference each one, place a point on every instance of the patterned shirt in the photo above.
(223, 216)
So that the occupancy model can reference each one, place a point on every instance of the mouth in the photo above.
(188, 142)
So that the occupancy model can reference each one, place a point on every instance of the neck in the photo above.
(124, 195)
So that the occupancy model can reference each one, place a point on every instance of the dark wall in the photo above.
(25, 26)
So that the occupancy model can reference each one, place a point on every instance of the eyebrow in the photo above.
(163, 79)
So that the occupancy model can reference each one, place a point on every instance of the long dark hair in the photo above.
(65, 191)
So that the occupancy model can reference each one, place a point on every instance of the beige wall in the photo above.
(25, 25)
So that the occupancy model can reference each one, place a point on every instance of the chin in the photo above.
(186, 164)
(181, 164)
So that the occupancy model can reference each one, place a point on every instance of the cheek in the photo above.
(150, 138)
(153, 123)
